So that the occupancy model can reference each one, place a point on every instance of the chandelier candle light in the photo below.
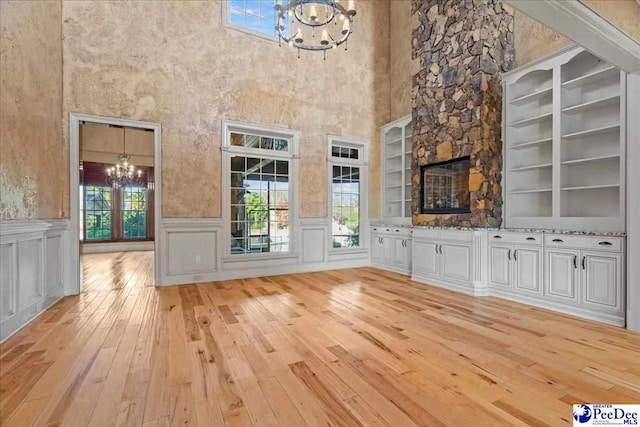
(330, 19)
(123, 173)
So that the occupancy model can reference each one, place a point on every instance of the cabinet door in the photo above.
(455, 263)
(602, 280)
(407, 253)
(376, 249)
(562, 275)
(426, 260)
(526, 272)
(387, 249)
(500, 267)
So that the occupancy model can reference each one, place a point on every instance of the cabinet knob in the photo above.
(558, 240)
(387, 229)
(397, 231)
(605, 243)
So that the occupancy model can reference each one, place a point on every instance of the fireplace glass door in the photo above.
(444, 187)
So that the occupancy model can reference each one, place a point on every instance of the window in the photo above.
(134, 212)
(111, 214)
(258, 16)
(259, 165)
(347, 169)
(96, 212)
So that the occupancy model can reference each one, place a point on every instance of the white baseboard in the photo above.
(96, 248)
(465, 289)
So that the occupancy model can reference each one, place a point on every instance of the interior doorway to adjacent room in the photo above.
(115, 193)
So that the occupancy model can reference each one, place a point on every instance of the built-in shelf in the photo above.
(592, 104)
(542, 190)
(529, 144)
(531, 120)
(531, 96)
(591, 187)
(591, 132)
(575, 150)
(591, 77)
(396, 168)
(591, 159)
(526, 168)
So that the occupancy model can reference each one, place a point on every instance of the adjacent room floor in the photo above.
(343, 348)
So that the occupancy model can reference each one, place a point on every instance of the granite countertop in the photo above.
(508, 230)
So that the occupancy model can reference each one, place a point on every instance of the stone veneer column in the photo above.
(460, 47)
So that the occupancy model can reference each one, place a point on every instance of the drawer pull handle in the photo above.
(575, 261)
(397, 231)
(387, 229)
(605, 243)
(584, 262)
(497, 237)
(558, 240)
(531, 238)
(509, 254)
(515, 255)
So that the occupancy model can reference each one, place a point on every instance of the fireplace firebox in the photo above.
(444, 187)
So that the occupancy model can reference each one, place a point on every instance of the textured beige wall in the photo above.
(400, 30)
(533, 40)
(624, 14)
(173, 62)
(32, 160)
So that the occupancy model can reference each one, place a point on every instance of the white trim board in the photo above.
(98, 248)
(75, 281)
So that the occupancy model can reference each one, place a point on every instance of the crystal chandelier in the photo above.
(317, 25)
(123, 173)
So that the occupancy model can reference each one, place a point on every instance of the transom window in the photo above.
(258, 16)
(347, 168)
(259, 192)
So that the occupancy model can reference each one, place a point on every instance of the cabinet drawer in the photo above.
(515, 238)
(456, 236)
(426, 233)
(596, 243)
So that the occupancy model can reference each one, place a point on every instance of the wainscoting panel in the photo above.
(193, 250)
(33, 256)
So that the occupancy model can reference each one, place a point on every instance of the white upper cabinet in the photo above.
(564, 145)
(396, 171)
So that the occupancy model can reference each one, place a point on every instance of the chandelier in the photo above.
(123, 173)
(317, 25)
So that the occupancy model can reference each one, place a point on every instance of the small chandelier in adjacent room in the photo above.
(123, 173)
(317, 25)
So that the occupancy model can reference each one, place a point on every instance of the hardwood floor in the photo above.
(358, 347)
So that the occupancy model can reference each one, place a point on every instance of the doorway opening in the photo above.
(115, 202)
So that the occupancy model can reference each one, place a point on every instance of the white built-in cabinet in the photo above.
(516, 263)
(396, 171)
(564, 122)
(391, 248)
(581, 275)
(444, 258)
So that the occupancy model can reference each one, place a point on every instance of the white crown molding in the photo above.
(579, 23)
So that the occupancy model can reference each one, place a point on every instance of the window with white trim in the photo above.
(259, 199)
(257, 16)
(347, 173)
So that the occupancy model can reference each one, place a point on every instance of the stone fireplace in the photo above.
(459, 49)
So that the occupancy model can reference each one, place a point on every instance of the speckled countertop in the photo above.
(509, 230)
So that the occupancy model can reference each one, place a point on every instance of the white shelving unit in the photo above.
(396, 171)
(564, 127)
